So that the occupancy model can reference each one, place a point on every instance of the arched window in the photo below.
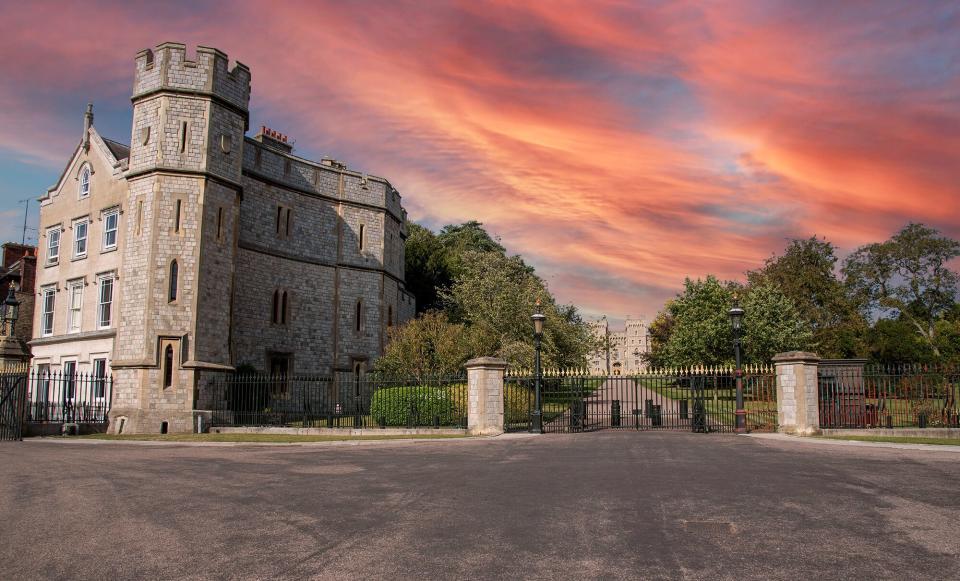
(85, 181)
(174, 275)
(358, 317)
(168, 366)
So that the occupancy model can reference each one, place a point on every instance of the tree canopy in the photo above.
(472, 294)
(700, 332)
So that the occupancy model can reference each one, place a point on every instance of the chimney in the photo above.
(87, 124)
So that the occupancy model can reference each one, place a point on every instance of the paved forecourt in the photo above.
(599, 505)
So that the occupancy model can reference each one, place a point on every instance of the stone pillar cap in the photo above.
(490, 362)
(791, 356)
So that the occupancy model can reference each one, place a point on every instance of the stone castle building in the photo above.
(621, 352)
(197, 249)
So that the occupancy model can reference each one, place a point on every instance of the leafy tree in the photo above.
(772, 324)
(495, 295)
(458, 240)
(700, 332)
(427, 346)
(806, 274)
(427, 267)
(908, 277)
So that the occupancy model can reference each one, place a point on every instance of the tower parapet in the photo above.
(167, 67)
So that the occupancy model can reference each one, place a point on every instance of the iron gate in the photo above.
(13, 391)
(695, 399)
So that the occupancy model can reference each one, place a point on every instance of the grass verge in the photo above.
(267, 438)
(897, 440)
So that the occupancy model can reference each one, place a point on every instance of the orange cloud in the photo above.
(618, 147)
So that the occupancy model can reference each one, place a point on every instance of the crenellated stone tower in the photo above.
(185, 176)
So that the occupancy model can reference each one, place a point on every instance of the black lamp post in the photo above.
(536, 419)
(11, 309)
(736, 320)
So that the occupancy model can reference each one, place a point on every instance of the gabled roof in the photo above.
(113, 152)
(120, 151)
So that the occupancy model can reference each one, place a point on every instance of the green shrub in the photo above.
(392, 406)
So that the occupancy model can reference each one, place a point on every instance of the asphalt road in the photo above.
(599, 505)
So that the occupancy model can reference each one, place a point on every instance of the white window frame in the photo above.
(54, 233)
(112, 213)
(85, 223)
(101, 280)
(45, 315)
(74, 306)
(68, 379)
(99, 380)
(83, 190)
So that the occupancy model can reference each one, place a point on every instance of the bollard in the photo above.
(889, 422)
(684, 409)
(615, 413)
(922, 420)
(647, 406)
(576, 415)
(656, 420)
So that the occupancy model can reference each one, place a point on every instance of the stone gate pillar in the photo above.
(798, 409)
(485, 396)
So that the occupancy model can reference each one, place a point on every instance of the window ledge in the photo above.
(76, 258)
(54, 339)
(108, 250)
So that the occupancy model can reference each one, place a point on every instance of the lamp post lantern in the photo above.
(736, 320)
(536, 418)
(11, 309)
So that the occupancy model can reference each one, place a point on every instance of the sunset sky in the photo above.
(618, 146)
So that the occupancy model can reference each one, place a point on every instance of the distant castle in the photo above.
(621, 352)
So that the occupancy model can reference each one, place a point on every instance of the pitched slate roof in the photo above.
(119, 150)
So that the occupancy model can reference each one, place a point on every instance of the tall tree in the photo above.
(427, 267)
(495, 295)
(908, 277)
(460, 239)
(806, 274)
(700, 332)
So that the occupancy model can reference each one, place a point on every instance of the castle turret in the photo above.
(189, 119)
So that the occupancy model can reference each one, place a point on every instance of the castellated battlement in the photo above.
(167, 67)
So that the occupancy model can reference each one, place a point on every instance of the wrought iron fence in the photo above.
(700, 399)
(901, 396)
(12, 404)
(57, 396)
(342, 400)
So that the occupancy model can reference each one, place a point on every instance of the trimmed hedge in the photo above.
(422, 405)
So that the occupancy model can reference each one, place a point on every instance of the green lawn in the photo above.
(268, 438)
(897, 439)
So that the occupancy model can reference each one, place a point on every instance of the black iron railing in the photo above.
(900, 396)
(342, 400)
(694, 399)
(59, 396)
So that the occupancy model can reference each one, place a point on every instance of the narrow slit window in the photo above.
(176, 216)
(139, 217)
(183, 136)
(279, 217)
(274, 317)
(289, 218)
(168, 366)
(362, 233)
(174, 274)
(283, 308)
(219, 223)
(358, 317)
